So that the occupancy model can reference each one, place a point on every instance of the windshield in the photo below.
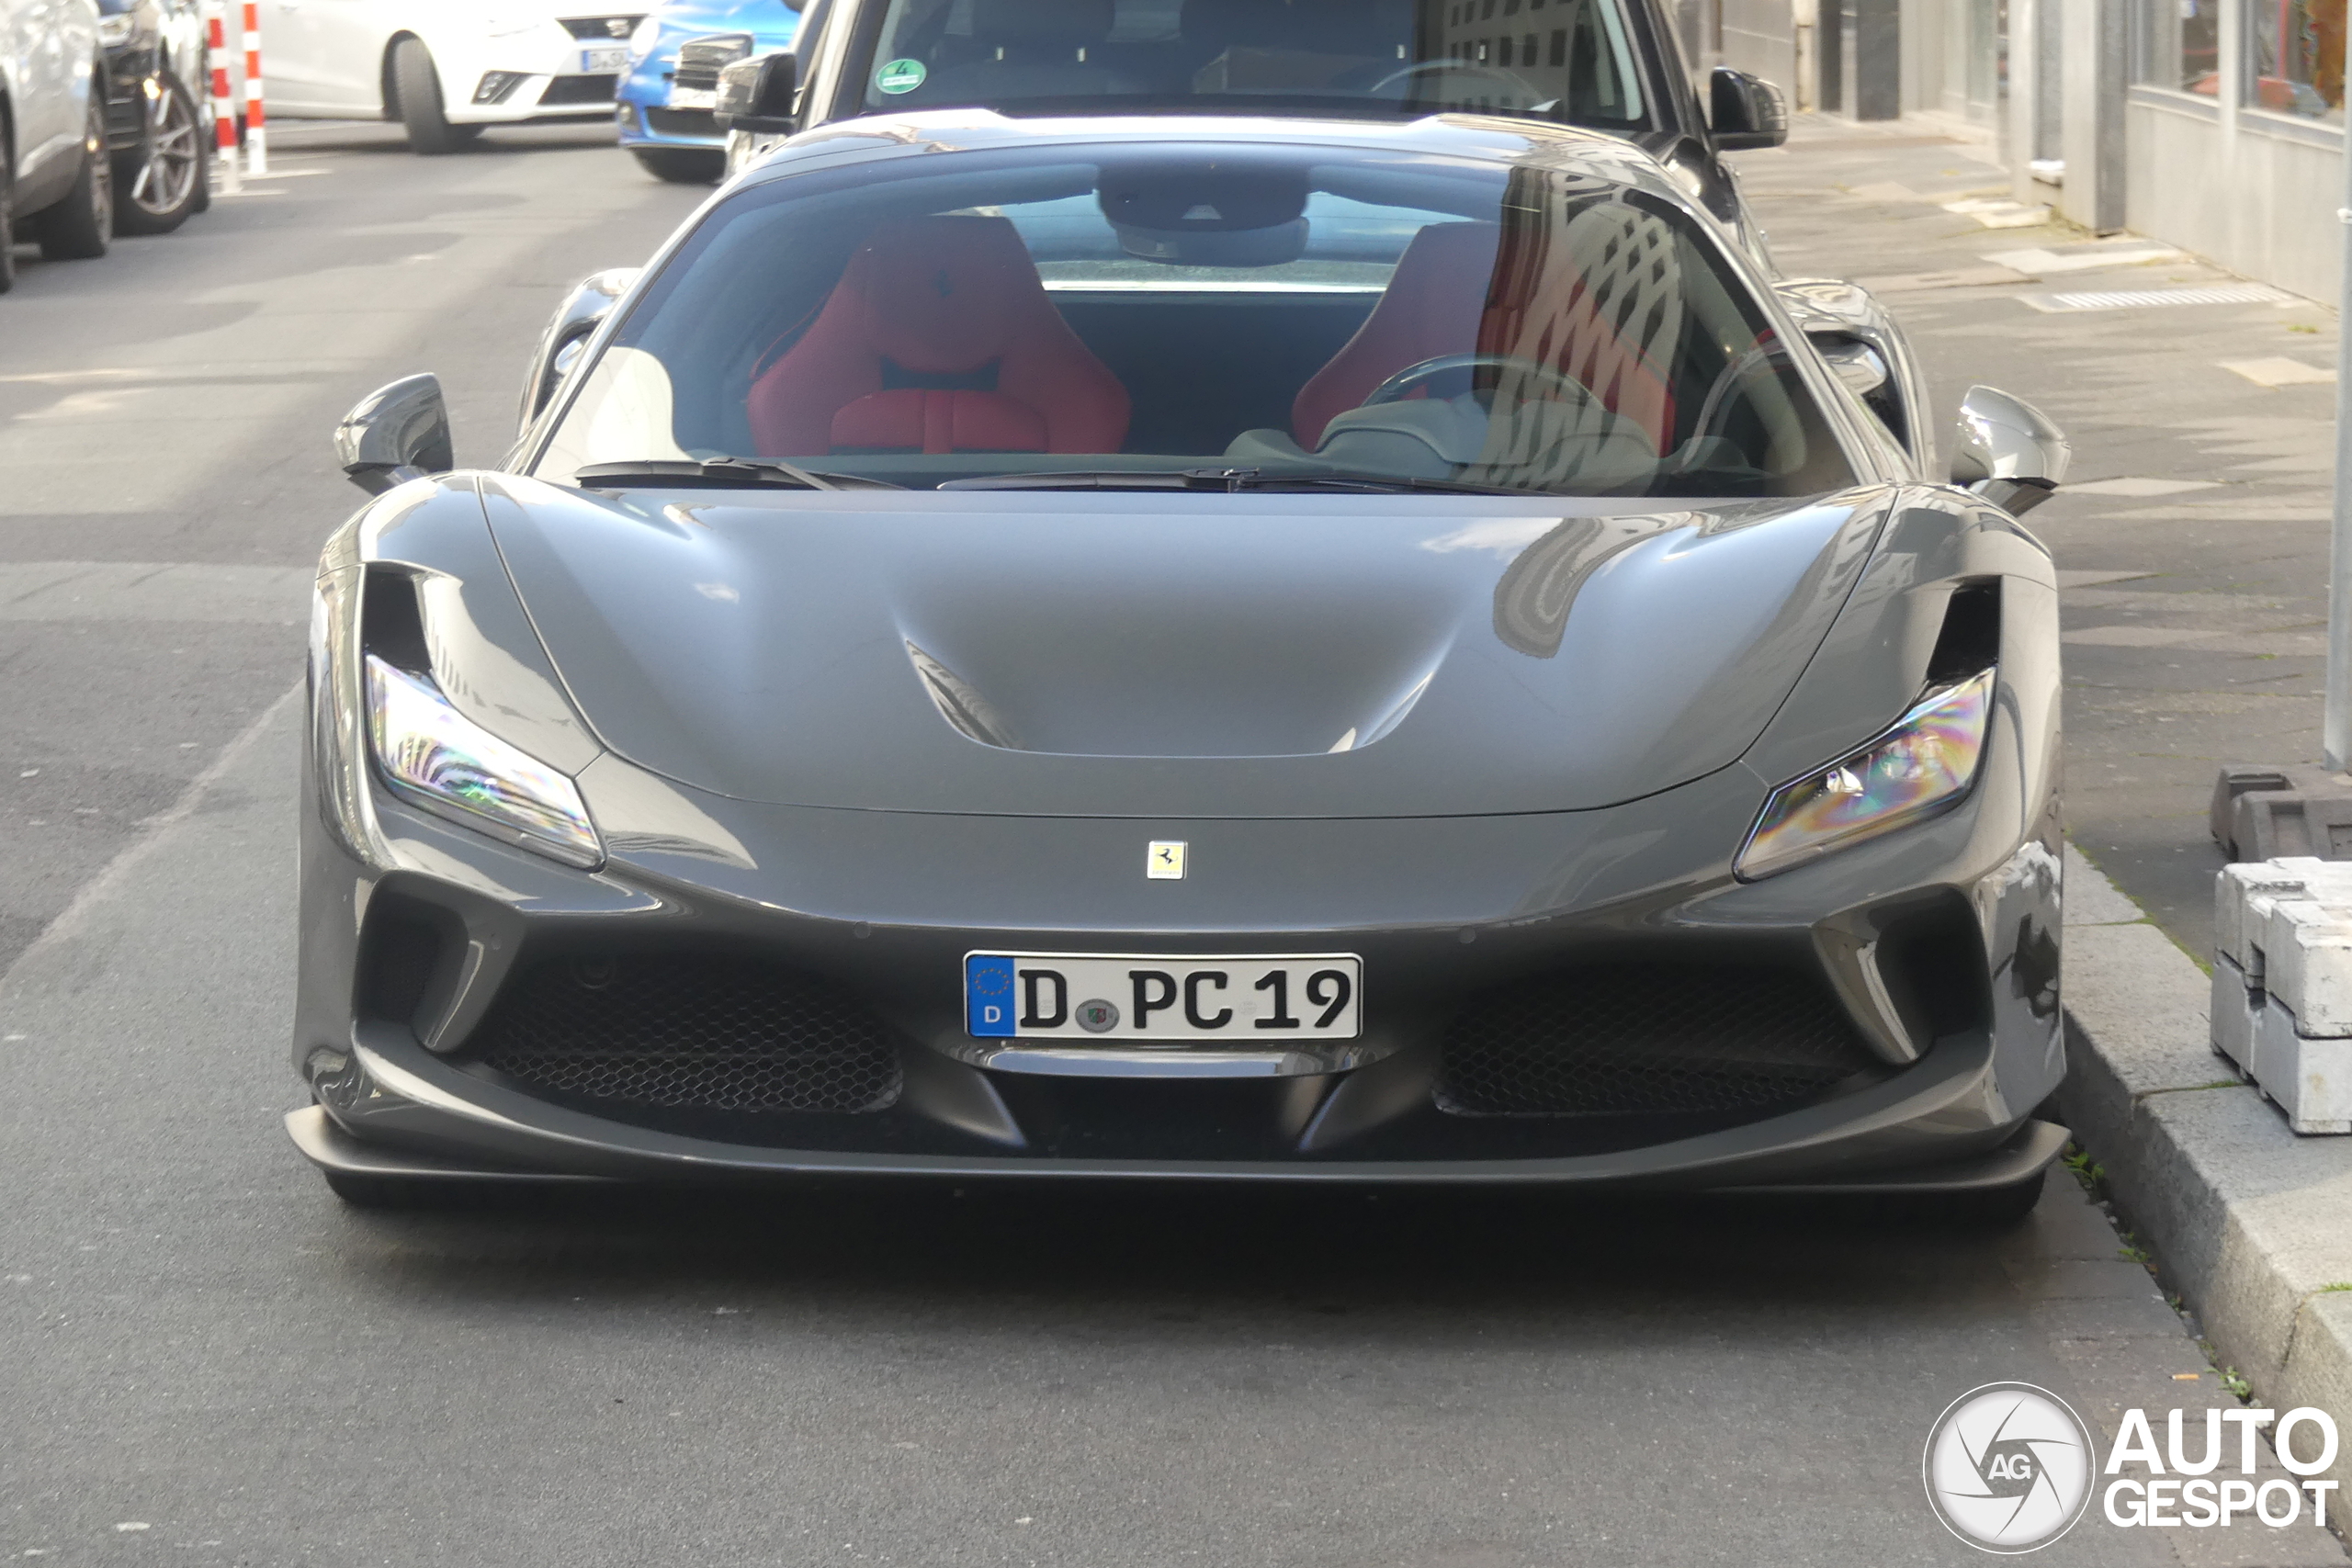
(1266, 314)
(1568, 60)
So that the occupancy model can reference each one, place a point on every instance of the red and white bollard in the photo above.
(256, 122)
(224, 105)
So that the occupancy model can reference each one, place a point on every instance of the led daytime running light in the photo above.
(445, 763)
(1919, 767)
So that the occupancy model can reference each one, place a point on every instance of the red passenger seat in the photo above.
(1441, 300)
(939, 338)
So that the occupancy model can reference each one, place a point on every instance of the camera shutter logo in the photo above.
(2008, 1467)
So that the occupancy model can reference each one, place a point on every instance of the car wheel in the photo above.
(419, 86)
(80, 227)
(683, 166)
(167, 184)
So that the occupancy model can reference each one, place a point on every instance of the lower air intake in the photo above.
(1649, 1039)
(681, 122)
(693, 1032)
(564, 90)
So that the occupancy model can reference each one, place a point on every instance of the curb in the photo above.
(2250, 1223)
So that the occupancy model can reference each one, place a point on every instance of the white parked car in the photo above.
(56, 180)
(444, 68)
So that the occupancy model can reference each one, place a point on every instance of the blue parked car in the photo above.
(667, 92)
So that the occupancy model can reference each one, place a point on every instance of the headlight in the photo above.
(444, 761)
(1916, 769)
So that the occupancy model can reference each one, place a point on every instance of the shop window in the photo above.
(2179, 44)
(2295, 56)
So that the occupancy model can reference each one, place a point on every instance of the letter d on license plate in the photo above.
(1105, 999)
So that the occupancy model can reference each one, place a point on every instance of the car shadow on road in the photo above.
(990, 1249)
(374, 137)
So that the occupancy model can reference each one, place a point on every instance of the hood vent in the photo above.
(1970, 643)
(960, 706)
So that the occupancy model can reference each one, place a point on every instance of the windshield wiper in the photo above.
(1227, 480)
(732, 473)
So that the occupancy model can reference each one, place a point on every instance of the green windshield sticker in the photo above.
(900, 76)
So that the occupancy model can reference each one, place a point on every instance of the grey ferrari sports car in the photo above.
(1190, 647)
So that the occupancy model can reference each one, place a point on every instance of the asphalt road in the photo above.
(204, 1360)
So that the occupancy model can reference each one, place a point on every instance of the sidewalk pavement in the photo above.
(2192, 543)
(2192, 536)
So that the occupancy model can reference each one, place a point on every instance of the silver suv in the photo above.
(56, 180)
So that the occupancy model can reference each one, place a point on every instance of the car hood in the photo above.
(1105, 654)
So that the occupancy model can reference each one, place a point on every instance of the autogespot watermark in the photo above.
(2010, 1468)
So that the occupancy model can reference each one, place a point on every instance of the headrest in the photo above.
(1074, 23)
(940, 294)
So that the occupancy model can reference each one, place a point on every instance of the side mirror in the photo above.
(2009, 452)
(396, 433)
(1745, 111)
(576, 319)
(759, 95)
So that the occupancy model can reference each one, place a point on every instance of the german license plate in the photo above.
(1103, 998)
(694, 97)
(605, 60)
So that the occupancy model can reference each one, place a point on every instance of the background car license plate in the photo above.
(694, 97)
(605, 60)
(1101, 999)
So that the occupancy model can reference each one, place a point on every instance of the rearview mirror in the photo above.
(1745, 111)
(396, 433)
(759, 95)
(576, 319)
(2009, 452)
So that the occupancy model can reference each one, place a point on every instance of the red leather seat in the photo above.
(951, 310)
(1442, 300)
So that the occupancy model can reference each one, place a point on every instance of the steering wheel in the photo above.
(1515, 90)
(1407, 380)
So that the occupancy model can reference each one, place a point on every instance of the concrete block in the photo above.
(2310, 1079)
(2244, 893)
(2307, 957)
(2236, 1005)
(2263, 813)
(2281, 994)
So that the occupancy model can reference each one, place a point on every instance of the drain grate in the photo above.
(2129, 299)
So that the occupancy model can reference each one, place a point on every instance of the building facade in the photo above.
(2213, 125)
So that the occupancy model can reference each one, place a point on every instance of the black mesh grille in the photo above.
(719, 1033)
(581, 90)
(681, 122)
(1646, 1040)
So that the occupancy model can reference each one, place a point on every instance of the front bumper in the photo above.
(1961, 911)
(656, 125)
(453, 1137)
(541, 74)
